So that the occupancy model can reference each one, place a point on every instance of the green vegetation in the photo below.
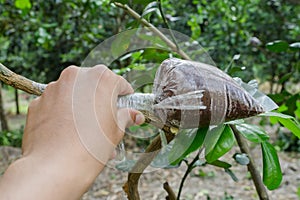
(11, 138)
(252, 39)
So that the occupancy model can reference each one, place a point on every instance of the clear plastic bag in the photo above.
(190, 94)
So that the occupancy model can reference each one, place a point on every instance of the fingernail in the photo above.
(139, 119)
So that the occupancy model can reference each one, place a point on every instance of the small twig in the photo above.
(260, 188)
(171, 194)
(153, 29)
(188, 170)
(159, 2)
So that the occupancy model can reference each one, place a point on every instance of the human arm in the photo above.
(71, 131)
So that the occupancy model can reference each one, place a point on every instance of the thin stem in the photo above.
(153, 29)
(260, 188)
(159, 2)
(188, 170)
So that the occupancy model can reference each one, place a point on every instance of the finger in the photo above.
(128, 117)
(123, 87)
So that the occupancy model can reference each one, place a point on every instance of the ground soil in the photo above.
(213, 182)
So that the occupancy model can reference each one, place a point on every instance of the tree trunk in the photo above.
(17, 102)
(3, 121)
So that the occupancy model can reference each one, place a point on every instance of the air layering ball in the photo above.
(191, 94)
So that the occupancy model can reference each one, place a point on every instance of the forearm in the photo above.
(63, 152)
(31, 178)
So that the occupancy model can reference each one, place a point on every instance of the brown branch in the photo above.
(171, 194)
(260, 188)
(153, 29)
(19, 82)
(139, 101)
(131, 186)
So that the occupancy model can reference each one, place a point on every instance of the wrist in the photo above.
(51, 179)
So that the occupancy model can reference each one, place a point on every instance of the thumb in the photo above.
(128, 117)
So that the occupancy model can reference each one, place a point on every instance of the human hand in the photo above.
(72, 130)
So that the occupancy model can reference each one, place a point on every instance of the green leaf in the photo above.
(297, 111)
(219, 163)
(276, 114)
(252, 133)
(285, 77)
(150, 10)
(287, 121)
(120, 1)
(235, 122)
(151, 7)
(133, 2)
(292, 125)
(23, 4)
(121, 43)
(272, 174)
(186, 143)
(218, 142)
(212, 138)
(295, 46)
(277, 46)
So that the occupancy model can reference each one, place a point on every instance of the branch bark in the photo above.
(139, 101)
(260, 188)
(131, 186)
(19, 82)
(171, 194)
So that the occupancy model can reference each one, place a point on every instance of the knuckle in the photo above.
(100, 72)
(68, 72)
(101, 68)
(49, 87)
(71, 69)
(109, 76)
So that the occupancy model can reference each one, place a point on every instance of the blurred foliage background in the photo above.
(259, 39)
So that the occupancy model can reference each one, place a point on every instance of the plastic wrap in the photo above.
(252, 88)
(191, 94)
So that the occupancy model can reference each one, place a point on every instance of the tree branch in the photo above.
(171, 194)
(153, 29)
(131, 186)
(140, 101)
(19, 82)
(260, 188)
